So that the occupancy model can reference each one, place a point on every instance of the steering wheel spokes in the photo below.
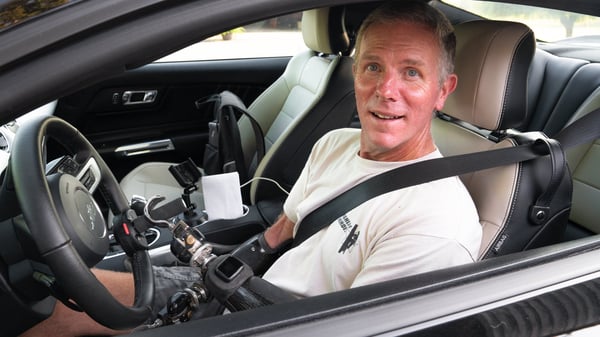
(88, 172)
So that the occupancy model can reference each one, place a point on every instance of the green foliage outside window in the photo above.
(18, 11)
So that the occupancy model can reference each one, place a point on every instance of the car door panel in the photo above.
(114, 114)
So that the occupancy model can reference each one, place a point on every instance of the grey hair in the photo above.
(418, 12)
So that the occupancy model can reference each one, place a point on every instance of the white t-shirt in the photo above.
(408, 231)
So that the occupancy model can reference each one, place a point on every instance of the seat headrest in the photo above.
(492, 61)
(323, 30)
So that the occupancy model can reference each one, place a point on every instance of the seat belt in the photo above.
(583, 130)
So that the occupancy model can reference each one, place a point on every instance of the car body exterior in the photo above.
(84, 47)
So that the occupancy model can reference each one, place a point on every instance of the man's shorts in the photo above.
(169, 280)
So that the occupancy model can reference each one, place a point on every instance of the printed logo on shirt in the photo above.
(353, 232)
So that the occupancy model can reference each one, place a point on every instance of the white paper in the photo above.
(222, 196)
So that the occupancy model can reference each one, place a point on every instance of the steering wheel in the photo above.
(66, 223)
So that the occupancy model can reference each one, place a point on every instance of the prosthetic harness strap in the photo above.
(583, 130)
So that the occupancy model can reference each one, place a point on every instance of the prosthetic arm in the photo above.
(229, 278)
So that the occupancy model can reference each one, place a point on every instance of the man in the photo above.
(403, 72)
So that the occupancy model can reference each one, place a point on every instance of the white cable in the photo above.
(267, 179)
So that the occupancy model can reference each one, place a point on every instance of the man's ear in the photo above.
(447, 88)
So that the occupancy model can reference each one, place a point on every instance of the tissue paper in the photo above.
(222, 196)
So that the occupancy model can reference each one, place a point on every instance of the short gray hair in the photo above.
(418, 12)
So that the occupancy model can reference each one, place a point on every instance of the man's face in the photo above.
(397, 84)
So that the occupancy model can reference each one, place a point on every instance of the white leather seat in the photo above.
(277, 109)
(492, 62)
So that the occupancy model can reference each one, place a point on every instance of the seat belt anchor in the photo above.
(539, 214)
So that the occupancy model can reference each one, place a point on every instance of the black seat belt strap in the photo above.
(414, 174)
(583, 130)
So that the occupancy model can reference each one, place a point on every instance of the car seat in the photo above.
(303, 89)
(492, 62)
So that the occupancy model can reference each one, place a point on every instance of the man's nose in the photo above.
(388, 86)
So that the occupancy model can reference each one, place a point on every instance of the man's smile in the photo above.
(382, 116)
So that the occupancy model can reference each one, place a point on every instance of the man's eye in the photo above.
(372, 67)
(412, 73)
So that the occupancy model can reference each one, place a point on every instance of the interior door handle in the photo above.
(131, 97)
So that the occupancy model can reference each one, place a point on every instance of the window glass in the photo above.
(548, 25)
(279, 36)
(18, 11)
